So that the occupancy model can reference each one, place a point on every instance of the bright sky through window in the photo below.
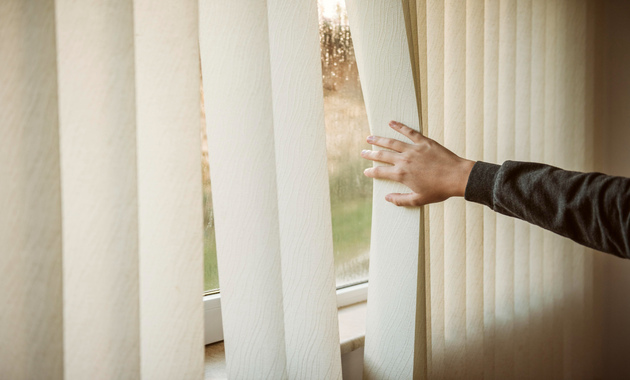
(329, 8)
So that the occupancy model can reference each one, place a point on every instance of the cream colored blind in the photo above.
(395, 343)
(265, 121)
(508, 80)
(31, 321)
(101, 261)
(101, 229)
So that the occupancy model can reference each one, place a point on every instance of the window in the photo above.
(346, 130)
(210, 270)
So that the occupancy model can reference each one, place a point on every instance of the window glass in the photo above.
(346, 130)
(211, 272)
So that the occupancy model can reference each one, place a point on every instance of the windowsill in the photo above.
(351, 336)
(352, 327)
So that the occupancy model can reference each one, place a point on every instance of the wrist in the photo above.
(464, 170)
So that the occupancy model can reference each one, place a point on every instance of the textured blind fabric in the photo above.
(265, 122)
(99, 187)
(101, 238)
(514, 301)
(31, 321)
(101, 230)
(395, 340)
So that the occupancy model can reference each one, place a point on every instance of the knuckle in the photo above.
(405, 159)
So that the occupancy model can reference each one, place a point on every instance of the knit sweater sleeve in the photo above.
(592, 209)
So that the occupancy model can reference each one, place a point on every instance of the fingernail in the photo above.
(370, 139)
(393, 124)
(388, 198)
(364, 151)
(366, 170)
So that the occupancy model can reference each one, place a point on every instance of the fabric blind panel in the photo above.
(170, 218)
(474, 212)
(562, 144)
(550, 346)
(423, 363)
(592, 308)
(100, 199)
(310, 322)
(490, 122)
(277, 284)
(504, 306)
(385, 66)
(527, 68)
(81, 191)
(250, 268)
(31, 333)
(455, 260)
(571, 113)
(539, 326)
(522, 336)
(434, 14)
(417, 10)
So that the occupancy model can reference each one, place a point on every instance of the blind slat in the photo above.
(170, 215)
(590, 286)
(550, 347)
(435, 130)
(504, 307)
(99, 188)
(421, 10)
(491, 70)
(239, 116)
(474, 212)
(455, 258)
(539, 322)
(304, 215)
(522, 329)
(31, 321)
(385, 66)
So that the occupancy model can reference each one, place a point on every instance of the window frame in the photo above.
(213, 322)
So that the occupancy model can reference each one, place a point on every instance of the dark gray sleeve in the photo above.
(592, 209)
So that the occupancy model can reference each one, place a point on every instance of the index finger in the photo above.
(384, 142)
(413, 135)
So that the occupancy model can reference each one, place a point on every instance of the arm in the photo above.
(590, 208)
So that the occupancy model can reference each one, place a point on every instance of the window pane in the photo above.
(211, 273)
(346, 130)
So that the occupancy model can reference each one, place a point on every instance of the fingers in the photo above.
(413, 135)
(408, 200)
(392, 144)
(380, 156)
(391, 173)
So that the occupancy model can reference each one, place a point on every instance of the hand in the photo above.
(431, 171)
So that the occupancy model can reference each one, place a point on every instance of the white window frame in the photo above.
(212, 309)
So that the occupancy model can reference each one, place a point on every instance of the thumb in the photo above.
(408, 199)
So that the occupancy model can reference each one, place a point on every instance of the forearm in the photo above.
(592, 209)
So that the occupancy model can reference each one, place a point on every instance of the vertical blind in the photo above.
(101, 233)
(101, 256)
(509, 80)
(266, 139)
(392, 338)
